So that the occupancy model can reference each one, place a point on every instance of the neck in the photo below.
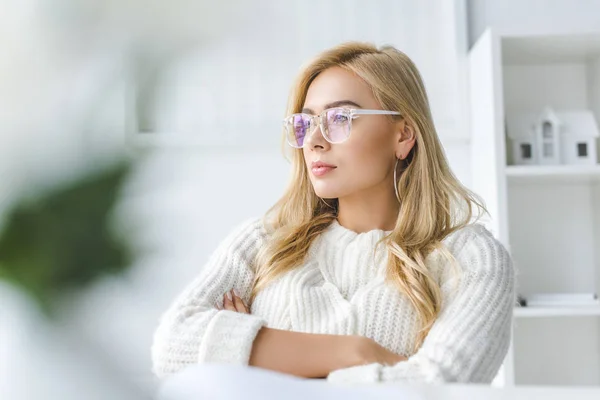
(363, 212)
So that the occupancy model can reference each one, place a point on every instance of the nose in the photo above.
(316, 139)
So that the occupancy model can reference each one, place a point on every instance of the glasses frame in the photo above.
(352, 114)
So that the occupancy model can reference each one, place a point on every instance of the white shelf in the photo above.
(548, 216)
(559, 173)
(540, 312)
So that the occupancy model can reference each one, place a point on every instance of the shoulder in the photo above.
(244, 239)
(250, 230)
(472, 238)
(477, 250)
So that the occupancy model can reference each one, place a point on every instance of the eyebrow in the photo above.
(332, 105)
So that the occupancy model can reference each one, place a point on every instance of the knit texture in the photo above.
(341, 289)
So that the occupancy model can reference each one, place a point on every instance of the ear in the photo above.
(405, 138)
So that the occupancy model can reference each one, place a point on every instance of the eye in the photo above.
(341, 117)
(338, 117)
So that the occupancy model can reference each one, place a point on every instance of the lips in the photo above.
(321, 164)
(320, 168)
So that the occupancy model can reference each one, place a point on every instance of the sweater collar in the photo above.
(338, 238)
(342, 252)
(350, 234)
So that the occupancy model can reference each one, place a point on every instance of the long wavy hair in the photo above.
(433, 202)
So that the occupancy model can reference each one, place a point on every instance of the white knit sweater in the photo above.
(340, 289)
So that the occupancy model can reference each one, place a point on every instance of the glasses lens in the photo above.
(297, 128)
(337, 125)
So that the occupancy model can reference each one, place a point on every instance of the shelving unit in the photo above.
(540, 312)
(547, 216)
(551, 173)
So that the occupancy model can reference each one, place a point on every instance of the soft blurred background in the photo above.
(135, 134)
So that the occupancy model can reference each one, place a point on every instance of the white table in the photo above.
(213, 381)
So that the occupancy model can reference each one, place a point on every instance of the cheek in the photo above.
(364, 164)
(368, 142)
(367, 153)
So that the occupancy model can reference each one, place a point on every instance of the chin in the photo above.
(327, 192)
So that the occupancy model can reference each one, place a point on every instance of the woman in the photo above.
(371, 267)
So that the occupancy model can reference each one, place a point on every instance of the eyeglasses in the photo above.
(335, 124)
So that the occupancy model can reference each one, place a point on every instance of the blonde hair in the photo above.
(433, 202)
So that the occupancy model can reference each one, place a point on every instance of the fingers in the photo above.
(228, 302)
(232, 302)
(239, 304)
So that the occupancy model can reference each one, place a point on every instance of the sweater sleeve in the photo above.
(470, 337)
(193, 330)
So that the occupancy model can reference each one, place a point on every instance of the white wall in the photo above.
(251, 72)
(519, 17)
(526, 87)
(593, 75)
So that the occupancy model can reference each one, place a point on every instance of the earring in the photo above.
(396, 181)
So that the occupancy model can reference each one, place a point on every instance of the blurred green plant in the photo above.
(62, 239)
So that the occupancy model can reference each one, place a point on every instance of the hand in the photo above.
(235, 304)
(368, 351)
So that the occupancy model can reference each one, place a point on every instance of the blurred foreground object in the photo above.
(62, 240)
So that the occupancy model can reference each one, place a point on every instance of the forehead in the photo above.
(337, 84)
